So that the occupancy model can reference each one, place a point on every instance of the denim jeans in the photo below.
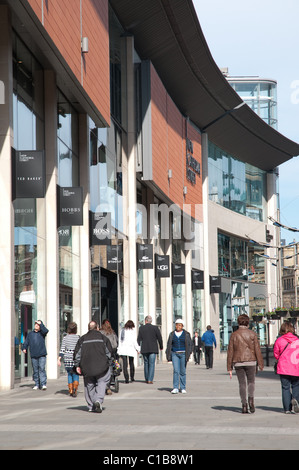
(289, 389)
(39, 371)
(179, 370)
(149, 360)
(71, 375)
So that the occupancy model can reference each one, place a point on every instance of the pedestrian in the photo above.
(244, 354)
(92, 358)
(149, 337)
(36, 343)
(66, 353)
(208, 338)
(106, 329)
(179, 348)
(127, 349)
(286, 351)
(196, 347)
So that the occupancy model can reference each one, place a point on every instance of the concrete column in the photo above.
(85, 274)
(7, 314)
(205, 201)
(52, 251)
(130, 252)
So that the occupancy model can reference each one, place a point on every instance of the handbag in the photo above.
(276, 362)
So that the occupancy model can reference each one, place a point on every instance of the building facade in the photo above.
(132, 178)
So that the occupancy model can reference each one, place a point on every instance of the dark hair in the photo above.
(72, 328)
(243, 320)
(129, 325)
(286, 327)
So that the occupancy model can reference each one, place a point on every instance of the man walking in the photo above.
(92, 357)
(208, 338)
(35, 341)
(149, 337)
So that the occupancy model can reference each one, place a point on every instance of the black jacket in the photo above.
(188, 346)
(148, 338)
(93, 354)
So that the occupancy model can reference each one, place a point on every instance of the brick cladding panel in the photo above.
(169, 147)
(62, 23)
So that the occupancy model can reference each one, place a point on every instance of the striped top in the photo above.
(67, 349)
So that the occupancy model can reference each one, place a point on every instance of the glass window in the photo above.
(68, 176)
(29, 222)
(236, 185)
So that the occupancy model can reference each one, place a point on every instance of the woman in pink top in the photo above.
(286, 351)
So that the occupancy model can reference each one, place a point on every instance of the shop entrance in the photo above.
(109, 304)
(23, 366)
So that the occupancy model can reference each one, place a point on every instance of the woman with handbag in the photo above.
(244, 354)
(286, 351)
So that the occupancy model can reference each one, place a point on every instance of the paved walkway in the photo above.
(148, 417)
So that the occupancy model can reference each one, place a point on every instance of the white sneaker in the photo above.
(98, 407)
(35, 387)
(175, 390)
(44, 387)
(183, 391)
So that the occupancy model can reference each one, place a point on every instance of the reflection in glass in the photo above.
(236, 185)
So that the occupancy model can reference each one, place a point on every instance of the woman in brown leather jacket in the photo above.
(244, 354)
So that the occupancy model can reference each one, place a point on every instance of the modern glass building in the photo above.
(260, 94)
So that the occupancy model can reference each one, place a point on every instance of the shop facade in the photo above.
(116, 203)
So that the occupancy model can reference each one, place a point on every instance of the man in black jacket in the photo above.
(92, 357)
(148, 337)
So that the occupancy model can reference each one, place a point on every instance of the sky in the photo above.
(261, 38)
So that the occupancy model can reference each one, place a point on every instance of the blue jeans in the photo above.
(71, 375)
(39, 370)
(290, 389)
(179, 370)
(149, 360)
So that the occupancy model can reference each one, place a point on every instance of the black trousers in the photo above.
(209, 356)
(125, 367)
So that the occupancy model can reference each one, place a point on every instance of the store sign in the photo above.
(115, 258)
(197, 279)
(29, 174)
(100, 228)
(70, 206)
(215, 284)
(162, 268)
(192, 165)
(178, 274)
(25, 213)
(145, 256)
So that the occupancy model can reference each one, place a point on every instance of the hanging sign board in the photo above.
(28, 174)
(215, 284)
(145, 256)
(197, 279)
(115, 258)
(70, 206)
(162, 268)
(178, 274)
(100, 228)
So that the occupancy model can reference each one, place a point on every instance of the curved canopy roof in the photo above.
(168, 33)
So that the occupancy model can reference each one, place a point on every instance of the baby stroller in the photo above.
(115, 372)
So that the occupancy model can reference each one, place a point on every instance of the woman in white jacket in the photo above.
(127, 349)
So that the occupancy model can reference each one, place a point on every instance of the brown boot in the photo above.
(251, 405)
(244, 408)
(75, 388)
(71, 389)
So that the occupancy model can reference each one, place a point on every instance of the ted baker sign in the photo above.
(28, 173)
